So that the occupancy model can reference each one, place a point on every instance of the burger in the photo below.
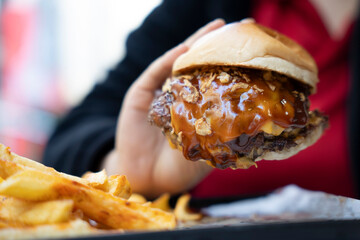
(239, 95)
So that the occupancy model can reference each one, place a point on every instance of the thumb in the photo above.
(153, 77)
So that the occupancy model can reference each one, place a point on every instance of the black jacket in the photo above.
(87, 133)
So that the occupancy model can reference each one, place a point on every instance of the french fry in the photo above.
(17, 211)
(55, 211)
(100, 206)
(10, 163)
(7, 155)
(73, 228)
(119, 186)
(30, 185)
(137, 198)
(34, 195)
(15, 163)
(11, 208)
(181, 210)
(6, 224)
(97, 180)
(162, 202)
(119, 213)
(8, 168)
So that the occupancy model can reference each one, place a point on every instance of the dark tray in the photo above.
(329, 229)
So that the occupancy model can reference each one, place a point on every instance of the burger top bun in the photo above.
(250, 45)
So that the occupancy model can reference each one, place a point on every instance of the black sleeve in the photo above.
(354, 107)
(87, 133)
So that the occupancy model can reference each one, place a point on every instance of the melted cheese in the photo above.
(271, 128)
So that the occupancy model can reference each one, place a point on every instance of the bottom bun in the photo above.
(305, 142)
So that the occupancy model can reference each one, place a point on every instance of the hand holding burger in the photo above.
(141, 151)
(239, 95)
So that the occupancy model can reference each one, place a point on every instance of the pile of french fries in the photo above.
(38, 202)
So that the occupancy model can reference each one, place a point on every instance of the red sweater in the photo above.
(325, 165)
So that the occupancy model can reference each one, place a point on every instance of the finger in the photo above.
(211, 26)
(152, 78)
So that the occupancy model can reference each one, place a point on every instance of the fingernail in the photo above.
(181, 46)
(218, 21)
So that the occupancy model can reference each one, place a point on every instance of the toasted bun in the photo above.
(250, 45)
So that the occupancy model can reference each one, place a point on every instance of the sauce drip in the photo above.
(214, 107)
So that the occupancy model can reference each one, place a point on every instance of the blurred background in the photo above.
(51, 53)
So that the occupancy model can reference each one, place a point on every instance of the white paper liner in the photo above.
(291, 200)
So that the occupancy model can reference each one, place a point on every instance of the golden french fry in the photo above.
(137, 198)
(119, 186)
(8, 168)
(30, 185)
(181, 210)
(73, 228)
(11, 208)
(10, 164)
(100, 206)
(17, 211)
(55, 211)
(7, 155)
(5, 224)
(162, 202)
(31, 182)
(97, 180)
(119, 213)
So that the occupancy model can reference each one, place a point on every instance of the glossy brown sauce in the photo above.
(231, 104)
